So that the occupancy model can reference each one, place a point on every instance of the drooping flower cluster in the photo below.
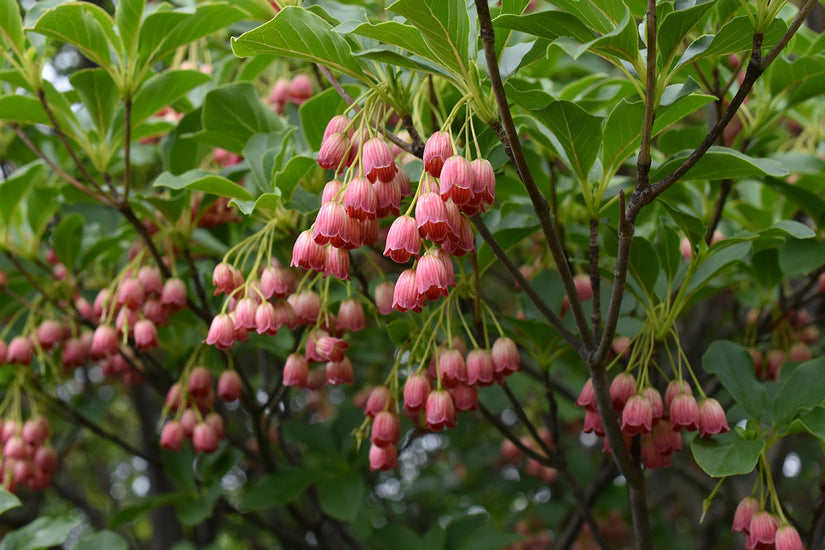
(26, 459)
(658, 421)
(296, 91)
(764, 531)
(790, 341)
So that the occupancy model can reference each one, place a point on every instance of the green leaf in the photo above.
(8, 501)
(676, 25)
(131, 513)
(13, 189)
(299, 169)
(800, 257)
(814, 422)
(588, 12)
(102, 540)
(21, 108)
(810, 202)
(692, 226)
(721, 163)
(266, 201)
(40, 533)
(622, 43)
(509, 224)
(734, 366)
(277, 489)
(201, 180)
(445, 27)
(67, 238)
(98, 93)
(734, 37)
(644, 265)
(163, 89)
(579, 133)
(85, 26)
(803, 390)
(341, 497)
(396, 537)
(165, 30)
(265, 154)
(727, 454)
(623, 125)
(11, 26)
(548, 24)
(803, 77)
(128, 14)
(200, 507)
(300, 34)
(398, 34)
(399, 332)
(718, 259)
(234, 113)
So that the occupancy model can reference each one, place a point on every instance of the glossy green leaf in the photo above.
(265, 155)
(800, 257)
(163, 89)
(814, 422)
(201, 180)
(43, 532)
(234, 113)
(644, 265)
(165, 30)
(587, 12)
(11, 26)
(579, 133)
(810, 202)
(266, 201)
(87, 27)
(398, 34)
(8, 501)
(277, 489)
(509, 224)
(719, 258)
(135, 511)
(734, 366)
(623, 125)
(200, 507)
(24, 109)
(13, 189)
(99, 95)
(622, 43)
(341, 497)
(803, 390)
(800, 78)
(128, 14)
(298, 170)
(300, 34)
(549, 24)
(691, 226)
(676, 25)
(102, 540)
(67, 238)
(444, 26)
(726, 454)
(734, 37)
(721, 163)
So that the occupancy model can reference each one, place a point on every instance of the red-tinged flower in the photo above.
(712, 418)
(104, 343)
(229, 386)
(439, 411)
(480, 368)
(204, 438)
(745, 510)
(383, 458)
(762, 530)
(333, 191)
(285, 316)
(337, 124)
(674, 388)
(386, 429)
(622, 388)
(587, 397)
(655, 398)
(637, 416)
(307, 305)
(431, 217)
(384, 297)
(388, 197)
(457, 180)
(404, 184)
(416, 391)
(280, 94)
(330, 224)
(171, 437)
(667, 440)
(216, 421)
(300, 89)
(307, 253)
(464, 397)
(340, 372)
(337, 263)
(74, 353)
(154, 311)
(437, 150)
(593, 422)
(506, 358)
(146, 334)
(684, 413)
(651, 458)
(35, 431)
(151, 279)
(173, 295)
(360, 199)
(403, 240)
(221, 332)
(334, 151)
(45, 460)
(484, 184)
(453, 218)
(378, 161)
(787, 538)
(451, 367)
(265, 319)
(126, 320)
(350, 316)
(406, 296)
(245, 313)
(200, 382)
(131, 294)
(331, 348)
(378, 400)
(102, 303)
(311, 350)
(447, 261)
(296, 371)
(49, 334)
(223, 278)
(463, 242)
(14, 448)
(584, 290)
(369, 231)
(188, 421)
(430, 278)
(277, 282)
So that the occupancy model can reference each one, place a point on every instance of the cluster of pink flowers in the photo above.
(768, 365)
(296, 91)
(193, 403)
(658, 421)
(27, 459)
(764, 531)
(433, 397)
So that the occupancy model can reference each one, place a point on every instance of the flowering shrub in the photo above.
(333, 275)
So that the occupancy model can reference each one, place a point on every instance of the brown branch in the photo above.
(512, 146)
